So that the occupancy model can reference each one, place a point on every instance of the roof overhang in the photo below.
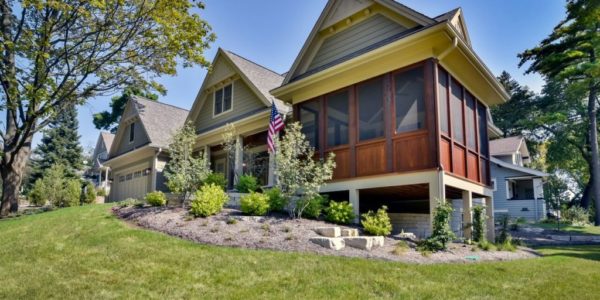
(519, 168)
(130, 156)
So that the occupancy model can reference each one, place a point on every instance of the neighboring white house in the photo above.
(100, 173)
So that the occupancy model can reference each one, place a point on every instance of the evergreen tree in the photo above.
(509, 116)
(59, 145)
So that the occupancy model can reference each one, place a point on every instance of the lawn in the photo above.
(85, 252)
(571, 229)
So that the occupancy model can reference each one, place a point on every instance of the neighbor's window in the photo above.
(443, 100)
(338, 117)
(470, 121)
(457, 112)
(370, 110)
(223, 99)
(309, 118)
(131, 132)
(410, 100)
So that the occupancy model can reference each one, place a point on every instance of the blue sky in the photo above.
(271, 32)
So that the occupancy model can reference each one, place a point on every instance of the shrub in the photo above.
(101, 192)
(577, 215)
(442, 234)
(478, 224)
(89, 193)
(37, 196)
(156, 198)
(246, 184)
(71, 194)
(339, 212)
(486, 246)
(312, 207)
(128, 202)
(255, 204)
(277, 202)
(209, 200)
(217, 179)
(377, 223)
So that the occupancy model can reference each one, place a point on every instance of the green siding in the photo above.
(140, 139)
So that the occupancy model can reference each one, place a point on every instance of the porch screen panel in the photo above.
(338, 117)
(443, 99)
(483, 136)
(410, 100)
(309, 118)
(470, 121)
(457, 112)
(370, 110)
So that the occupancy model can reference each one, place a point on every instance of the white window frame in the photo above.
(223, 100)
(131, 132)
(494, 184)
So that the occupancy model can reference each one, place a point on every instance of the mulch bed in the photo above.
(279, 232)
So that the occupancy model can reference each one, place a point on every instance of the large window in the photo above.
(309, 118)
(370, 110)
(456, 103)
(410, 100)
(443, 100)
(223, 99)
(337, 119)
(470, 121)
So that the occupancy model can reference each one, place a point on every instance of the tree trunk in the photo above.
(12, 177)
(586, 197)
(595, 172)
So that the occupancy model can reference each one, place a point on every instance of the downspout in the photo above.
(154, 163)
(449, 49)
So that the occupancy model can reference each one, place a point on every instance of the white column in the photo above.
(105, 183)
(207, 155)
(437, 192)
(467, 198)
(538, 192)
(489, 211)
(153, 182)
(354, 200)
(238, 168)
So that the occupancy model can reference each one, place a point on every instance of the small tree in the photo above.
(184, 172)
(442, 234)
(299, 175)
(89, 193)
(479, 224)
(230, 146)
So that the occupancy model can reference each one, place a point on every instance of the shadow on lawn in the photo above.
(591, 252)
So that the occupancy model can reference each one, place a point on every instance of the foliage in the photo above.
(340, 212)
(156, 198)
(246, 184)
(56, 54)
(521, 98)
(442, 234)
(71, 194)
(209, 200)
(37, 195)
(277, 202)
(55, 188)
(129, 202)
(108, 120)
(230, 146)
(89, 193)
(479, 224)
(401, 248)
(312, 206)
(486, 246)
(299, 175)
(101, 192)
(377, 223)
(577, 216)
(255, 204)
(184, 172)
(217, 179)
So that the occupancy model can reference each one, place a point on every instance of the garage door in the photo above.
(132, 183)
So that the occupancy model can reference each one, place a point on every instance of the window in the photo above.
(410, 100)
(223, 99)
(129, 176)
(137, 174)
(370, 110)
(121, 178)
(338, 117)
(131, 132)
(470, 121)
(456, 103)
(309, 118)
(483, 136)
(494, 187)
(443, 100)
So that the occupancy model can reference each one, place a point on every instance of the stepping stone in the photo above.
(329, 243)
(328, 231)
(349, 232)
(360, 242)
(378, 241)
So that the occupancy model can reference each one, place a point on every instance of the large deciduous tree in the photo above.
(56, 53)
(570, 54)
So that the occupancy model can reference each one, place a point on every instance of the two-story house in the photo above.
(99, 172)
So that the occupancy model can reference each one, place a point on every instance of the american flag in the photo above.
(275, 125)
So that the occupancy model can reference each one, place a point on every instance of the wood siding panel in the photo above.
(342, 162)
(370, 159)
(458, 158)
(472, 167)
(445, 155)
(355, 38)
(140, 139)
(412, 153)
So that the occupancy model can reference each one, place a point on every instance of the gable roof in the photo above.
(509, 145)
(107, 139)
(518, 168)
(457, 19)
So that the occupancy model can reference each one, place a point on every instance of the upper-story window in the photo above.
(131, 132)
(223, 99)
(410, 100)
(338, 117)
(309, 118)
(470, 121)
(443, 100)
(370, 110)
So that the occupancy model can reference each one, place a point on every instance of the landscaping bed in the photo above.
(279, 232)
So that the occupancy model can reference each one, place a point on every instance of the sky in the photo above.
(272, 32)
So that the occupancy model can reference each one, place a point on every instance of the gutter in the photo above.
(449, 49)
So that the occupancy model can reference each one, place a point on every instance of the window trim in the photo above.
(494, 184)
(214, 100)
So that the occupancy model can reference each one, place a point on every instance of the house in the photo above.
(236, 92)
(138, 153)
(403, 101)
(99, 172)
(518, 190)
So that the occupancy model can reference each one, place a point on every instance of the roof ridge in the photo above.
(158, 102)
(253, 62)
(446, 13)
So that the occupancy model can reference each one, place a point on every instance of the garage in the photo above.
(131, 183)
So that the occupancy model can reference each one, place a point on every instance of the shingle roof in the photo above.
(160, 120)
(445, 16)
(505, 146)
(107, 138)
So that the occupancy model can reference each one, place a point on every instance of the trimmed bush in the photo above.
(314, 207)
(71, 194)
(246, 184)
(89, 193)
(277, 202)
(156, 198)
(209, 200)
(37, 196)
(255, 204)
(479, 224)
(217, 179)
(577, 216)
(377, 223)
(339, 212)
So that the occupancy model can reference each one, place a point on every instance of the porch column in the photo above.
(354, 200)
(467, 198)
(238, 168)
(153, 179)
(437, 192)
(207, 155)
(489, 211)
(538, 192)
(105, 183)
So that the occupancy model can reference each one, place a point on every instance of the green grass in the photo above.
(85, 252)
(571, 229)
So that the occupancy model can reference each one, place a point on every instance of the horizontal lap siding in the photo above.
(140, 139)
(514, 207)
